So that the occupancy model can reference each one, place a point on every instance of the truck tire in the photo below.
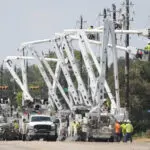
(111, 139)
(28, 138)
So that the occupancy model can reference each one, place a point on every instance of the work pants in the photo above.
(117, 137)
(23, 137)
(128, 136)
(75, 131)
(123, 137)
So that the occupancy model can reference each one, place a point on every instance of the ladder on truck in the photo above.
(55, 79)
(81, 87)
(10, 66)
(72, 91)
(85, 47)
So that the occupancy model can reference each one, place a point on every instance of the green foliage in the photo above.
(139, 95)
(19, 98)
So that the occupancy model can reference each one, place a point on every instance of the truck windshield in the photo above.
(40, 118)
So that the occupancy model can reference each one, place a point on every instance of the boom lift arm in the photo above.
(52, 94)
(54, 79)
(88, 47)
(87, 65)
(9, 65)
(81, 86)
(71, 87)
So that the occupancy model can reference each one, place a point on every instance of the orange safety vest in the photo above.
(117, 127)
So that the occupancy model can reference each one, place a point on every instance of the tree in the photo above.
(19, 98)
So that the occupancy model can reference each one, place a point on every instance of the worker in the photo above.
(63, 131)
(16, 125)
(147, 50)
(75, 128)
(91, 36)
(78, 124)
(23, 129)
(117, 131)
(129, 131)
(139, 54)
(73, 124)
(108, 104)
(70, 128)
(123, 130)
(147, 47)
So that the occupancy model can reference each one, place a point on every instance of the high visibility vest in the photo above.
(147, 47)
(129, 128)
(16, 125)
(73, 125)
(123, 128)
(117, 128)
(108, 103)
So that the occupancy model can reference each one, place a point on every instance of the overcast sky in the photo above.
(26, 20)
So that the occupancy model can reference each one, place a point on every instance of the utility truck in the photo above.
(41, 127)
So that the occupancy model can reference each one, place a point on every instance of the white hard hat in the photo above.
(128, 121)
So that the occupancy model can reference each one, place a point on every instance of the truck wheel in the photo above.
(111, 139)
(51, 139)
(28, 138)
(90, 139)
(54, 139)
(4, 136)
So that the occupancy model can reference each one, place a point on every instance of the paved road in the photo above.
(40, 145)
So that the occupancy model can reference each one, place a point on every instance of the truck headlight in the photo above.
(52, 127)
(31, 127)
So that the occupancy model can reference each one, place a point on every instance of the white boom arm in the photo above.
(56, 81)
(57, 75)
(10, 67)
(73, 93)
(24, 73)
(71, 88)
(52, 94)
(141, 32)
(81, 86)
(88, 65)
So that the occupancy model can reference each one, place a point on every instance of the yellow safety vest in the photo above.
(129, 128)
(16, 125)
(147, 47)
(123, 128)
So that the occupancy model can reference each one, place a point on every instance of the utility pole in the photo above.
(81, 59)
(81, 23)
(104, 17)
(127, 19)
(1, 79)
(114, 13)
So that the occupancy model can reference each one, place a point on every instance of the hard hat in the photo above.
(128, 121)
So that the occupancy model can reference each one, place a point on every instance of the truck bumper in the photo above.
(44, 135)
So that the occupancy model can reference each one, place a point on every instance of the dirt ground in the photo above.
(142, 140)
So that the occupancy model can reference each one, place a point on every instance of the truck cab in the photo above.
(41, 127)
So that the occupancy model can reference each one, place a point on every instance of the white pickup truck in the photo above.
(41, 127)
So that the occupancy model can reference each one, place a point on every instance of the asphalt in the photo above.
(42, 145)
